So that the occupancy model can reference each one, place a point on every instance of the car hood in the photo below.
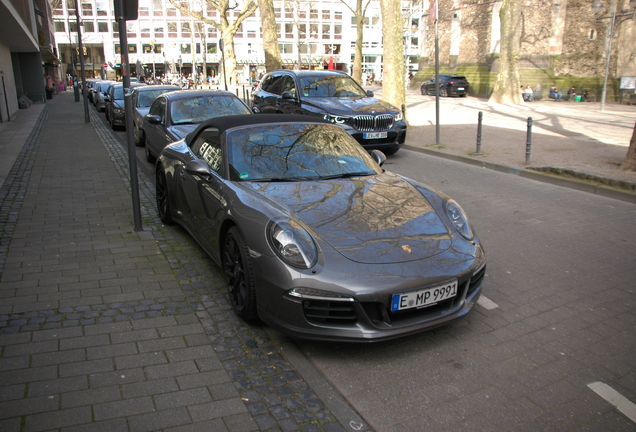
(180, 131)
(347, 106)
(373, 220)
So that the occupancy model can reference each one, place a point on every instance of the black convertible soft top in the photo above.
(229, 122)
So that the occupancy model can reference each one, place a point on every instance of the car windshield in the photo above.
(201, 108)
(338, 86)
(146, 98)
(292, 151)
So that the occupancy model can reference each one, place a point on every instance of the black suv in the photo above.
(448, 85)
(337, 97)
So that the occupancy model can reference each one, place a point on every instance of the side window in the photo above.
(266, 83)
(158, 108)
(288, 84)
(208, 147)
(276, 84)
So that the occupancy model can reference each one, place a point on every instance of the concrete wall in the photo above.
(8, 94)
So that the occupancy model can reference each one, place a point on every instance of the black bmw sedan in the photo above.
(336, 97)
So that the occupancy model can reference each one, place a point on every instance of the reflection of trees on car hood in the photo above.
(370, 219)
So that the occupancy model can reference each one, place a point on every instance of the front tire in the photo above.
(239, 275)
(162, 196)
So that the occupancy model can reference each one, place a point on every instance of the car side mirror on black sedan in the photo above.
(288, 95)
(153, 119)
(369, 93)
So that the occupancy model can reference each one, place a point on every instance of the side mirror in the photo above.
(198, 167)
(255, 109)
(378, 157)
(153, 119)
(106, 98)
(369, 93)
(288, 95)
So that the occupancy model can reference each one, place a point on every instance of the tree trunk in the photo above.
(629, 164)
(507, 85)
(359, 12)
(393, 82)
(270, 38)
(357, 58)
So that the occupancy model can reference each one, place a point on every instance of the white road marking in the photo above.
(486, 303)
(615, 398)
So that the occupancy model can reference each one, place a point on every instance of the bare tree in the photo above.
(359, 13)
(227, 27)
(629, 164)
(393, 76)
(507, 83)
(270, 39)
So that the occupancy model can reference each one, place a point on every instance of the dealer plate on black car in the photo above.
(374, 135)
(425, 297)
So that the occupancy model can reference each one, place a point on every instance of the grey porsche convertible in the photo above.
(313, 236)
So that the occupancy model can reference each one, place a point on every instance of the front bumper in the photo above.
(365, 315)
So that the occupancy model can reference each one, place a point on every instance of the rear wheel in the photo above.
(239, 275)
(161, 192)
(443, 92)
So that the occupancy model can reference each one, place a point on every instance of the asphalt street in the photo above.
(560, 280)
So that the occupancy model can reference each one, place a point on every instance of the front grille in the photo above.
(476, 280)
(368, 123)
(329, 312)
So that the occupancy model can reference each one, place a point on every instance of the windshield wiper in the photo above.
(282, 179)
(345, 175)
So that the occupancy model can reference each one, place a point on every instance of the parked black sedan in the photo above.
(313, 236)
(142, 99)
(337, 97)
(174, 115)
(449, 85)
(115, 110)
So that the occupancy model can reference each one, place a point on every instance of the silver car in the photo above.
(313, 236)
(142, 99)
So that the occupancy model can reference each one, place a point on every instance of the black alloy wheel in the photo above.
(239, 275)
(161, 192)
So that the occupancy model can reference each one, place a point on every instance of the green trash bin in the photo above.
(578, 98)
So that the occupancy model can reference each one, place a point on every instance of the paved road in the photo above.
(561, 273)
(560, 317)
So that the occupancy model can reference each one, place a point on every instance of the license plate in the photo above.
(460, 88)
(425, 297)
(374, 135)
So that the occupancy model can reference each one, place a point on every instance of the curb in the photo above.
(551, 175)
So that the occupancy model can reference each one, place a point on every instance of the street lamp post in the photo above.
(611, 23)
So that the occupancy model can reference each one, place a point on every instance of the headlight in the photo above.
(118, 110)
(398, 117)
(292, 243)
(457, 216)
(336, 119)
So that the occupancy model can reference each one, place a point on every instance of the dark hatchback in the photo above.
(334, 96)
(449, 85)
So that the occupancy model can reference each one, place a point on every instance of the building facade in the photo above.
(28, 61)
(559, 38)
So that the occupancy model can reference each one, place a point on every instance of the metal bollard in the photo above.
(480, 116)
(529, 140)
